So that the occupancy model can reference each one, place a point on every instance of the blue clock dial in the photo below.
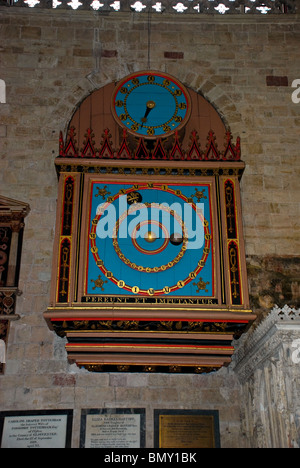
(151, 105)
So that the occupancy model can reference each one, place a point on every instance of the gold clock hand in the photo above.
(149, 106)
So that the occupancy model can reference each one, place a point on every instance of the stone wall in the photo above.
(50, 61)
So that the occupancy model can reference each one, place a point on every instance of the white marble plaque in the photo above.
(112, 431)
(41, 431)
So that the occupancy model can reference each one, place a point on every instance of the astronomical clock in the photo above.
(149, 267)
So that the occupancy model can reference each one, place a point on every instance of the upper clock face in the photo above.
(151, 104)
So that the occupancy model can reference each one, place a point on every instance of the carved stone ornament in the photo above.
(281, 327)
